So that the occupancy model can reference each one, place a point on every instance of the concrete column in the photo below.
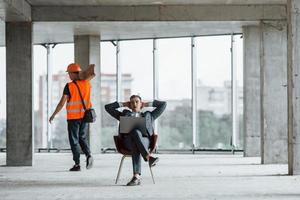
(251, 36)
(19, 76)
(293, 7)
(87, 51)
(274, 92)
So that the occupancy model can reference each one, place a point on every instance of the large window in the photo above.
(63, 55)
(238, 40)
(174, 86)
(137, 69)
(173, 78)
(136, 78)
(108, 92)
(214, 125)
(2, 97)
(40, 96)
(60, 56)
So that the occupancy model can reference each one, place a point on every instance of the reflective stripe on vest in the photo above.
(76, 103)
(74, 106)
(75, 111)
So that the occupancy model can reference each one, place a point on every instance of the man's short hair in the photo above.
(135, 95)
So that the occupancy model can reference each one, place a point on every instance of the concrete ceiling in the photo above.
(56, 32)
(147, 2)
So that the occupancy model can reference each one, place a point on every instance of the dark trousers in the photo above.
(78, 130)
(138, 145)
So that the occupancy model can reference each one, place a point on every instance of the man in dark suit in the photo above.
(137, 141)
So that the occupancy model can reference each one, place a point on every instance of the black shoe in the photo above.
(152, 161)
(75, 168)
(134, 181)
(89, 162)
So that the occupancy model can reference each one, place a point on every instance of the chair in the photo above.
(127, 153)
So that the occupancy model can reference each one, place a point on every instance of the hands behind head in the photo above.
(128, 104)
(145, 104)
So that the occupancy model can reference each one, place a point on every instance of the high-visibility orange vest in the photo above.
(74, 105)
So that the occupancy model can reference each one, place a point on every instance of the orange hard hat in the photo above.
(73, 67)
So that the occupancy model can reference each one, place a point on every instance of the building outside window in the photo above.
(213, 89)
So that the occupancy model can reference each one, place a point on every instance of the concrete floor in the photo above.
(177, 177)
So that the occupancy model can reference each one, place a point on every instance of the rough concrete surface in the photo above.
(177, 177)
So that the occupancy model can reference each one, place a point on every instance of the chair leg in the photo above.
(120, 168)
(152, 174)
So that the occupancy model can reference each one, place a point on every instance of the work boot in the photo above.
(89, 162)
(134, 181)
(75, 168)
(152, 161)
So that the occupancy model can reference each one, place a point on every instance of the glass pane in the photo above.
(238, 39)
(137, 69)
(108, 92)
(2, 98)
(63, 55)
(214, 127)
(174, 86)
(40, 96)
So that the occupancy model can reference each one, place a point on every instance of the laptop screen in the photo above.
(127, 124)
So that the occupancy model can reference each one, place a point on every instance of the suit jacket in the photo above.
(150, 116)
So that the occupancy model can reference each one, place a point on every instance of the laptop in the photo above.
(128, 123)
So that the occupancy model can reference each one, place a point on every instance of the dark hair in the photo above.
(133, 96)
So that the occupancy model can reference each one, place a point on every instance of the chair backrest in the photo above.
(120, 148)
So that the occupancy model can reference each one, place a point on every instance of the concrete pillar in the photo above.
(19, 76)
(87, 51)
(293, 7)
(251, 36)
(274, 92)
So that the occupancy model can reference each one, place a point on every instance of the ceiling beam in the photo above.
(160, 13)
(15, 10)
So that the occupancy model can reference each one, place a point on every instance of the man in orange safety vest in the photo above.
(77, 127)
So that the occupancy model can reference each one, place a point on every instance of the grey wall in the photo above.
(294, 86)
(19, 75)
(274, 92)
(251, 35)
(87, 51)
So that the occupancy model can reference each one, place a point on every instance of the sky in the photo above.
(174, 65)
(174, 61)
